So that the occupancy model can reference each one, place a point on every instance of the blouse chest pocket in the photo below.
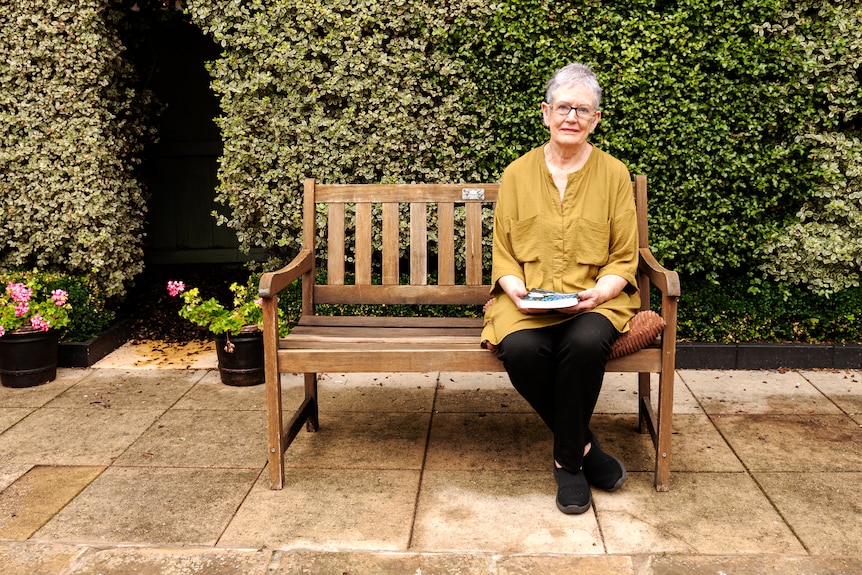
(526, 239)
(592, 241)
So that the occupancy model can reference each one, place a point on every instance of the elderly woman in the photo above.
(565, 221)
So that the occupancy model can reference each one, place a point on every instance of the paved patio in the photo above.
(147, 464)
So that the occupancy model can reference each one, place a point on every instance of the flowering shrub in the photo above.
(246, 315)
(31, 306)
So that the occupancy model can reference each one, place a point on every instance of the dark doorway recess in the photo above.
(180, 170)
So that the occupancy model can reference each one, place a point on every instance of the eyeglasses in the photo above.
(581, 112)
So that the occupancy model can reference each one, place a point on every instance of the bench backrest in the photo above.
(460, 217)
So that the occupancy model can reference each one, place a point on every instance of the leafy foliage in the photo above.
(744, 115)
(244, 315)
(71, 131)
(344, 92)
(738, 310)
(822, 248)
(711, 100)
(695, 97)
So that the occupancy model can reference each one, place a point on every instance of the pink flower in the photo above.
(2, 331)
(36, 322)
(22, 309)
(59, 296)
(19, 292)
(175, 288)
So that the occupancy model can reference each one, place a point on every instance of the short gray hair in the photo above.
(574, 73)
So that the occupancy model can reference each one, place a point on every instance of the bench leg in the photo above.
(658, 422)
(312, 424)
(644, 393)
(275, 430)
(280, 437)
(664, 429)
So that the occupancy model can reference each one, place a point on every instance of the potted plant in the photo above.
(30, 316)
(237, 329)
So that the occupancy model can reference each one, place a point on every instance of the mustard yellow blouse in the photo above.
(563, 247)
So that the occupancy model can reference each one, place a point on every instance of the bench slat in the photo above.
(418, 244)
(385, 321)
(367, 358)
(392, 337)
(362, 256)
(391, 245)
(335, 245)
(401, 294)
(473, 255)
(446, 243)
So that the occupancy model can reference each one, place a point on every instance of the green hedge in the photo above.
(72, 129)
(716, 102)
(737, 310)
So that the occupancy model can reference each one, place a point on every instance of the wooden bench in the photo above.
(346, 344)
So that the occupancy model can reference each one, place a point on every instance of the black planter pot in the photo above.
(28, 358)
(243, 364)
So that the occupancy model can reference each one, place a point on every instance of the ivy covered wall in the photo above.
(730, 108)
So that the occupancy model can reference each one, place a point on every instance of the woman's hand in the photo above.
(516, 290)
(607, 288)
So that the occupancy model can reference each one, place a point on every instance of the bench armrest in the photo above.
(665, 280)
(273, 282)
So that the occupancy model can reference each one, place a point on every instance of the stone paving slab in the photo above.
(729, 564)
(498, 511)
(620, 394)
(824, 509)
(55, 559)
(330, 509)
(756, 392)
(10, 473)
(794, 443)
(38, 495)
(161, 356)
(128, 389)
(27, 558)
(362, 440)
(842, 388)
(707, 513)
(35, 397)
(489, 441)
(201, 438)
(152, 506)
(79, 436)
(9, 416)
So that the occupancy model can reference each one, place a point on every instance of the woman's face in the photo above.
(569, 130)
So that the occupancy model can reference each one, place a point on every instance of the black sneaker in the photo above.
(573, 491)
(603, 470)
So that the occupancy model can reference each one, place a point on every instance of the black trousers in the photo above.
(559, 371)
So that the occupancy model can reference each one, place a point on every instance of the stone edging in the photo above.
(691, 355)
(86, 353)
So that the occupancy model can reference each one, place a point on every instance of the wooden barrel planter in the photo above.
(29, 357)
(240, 358)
